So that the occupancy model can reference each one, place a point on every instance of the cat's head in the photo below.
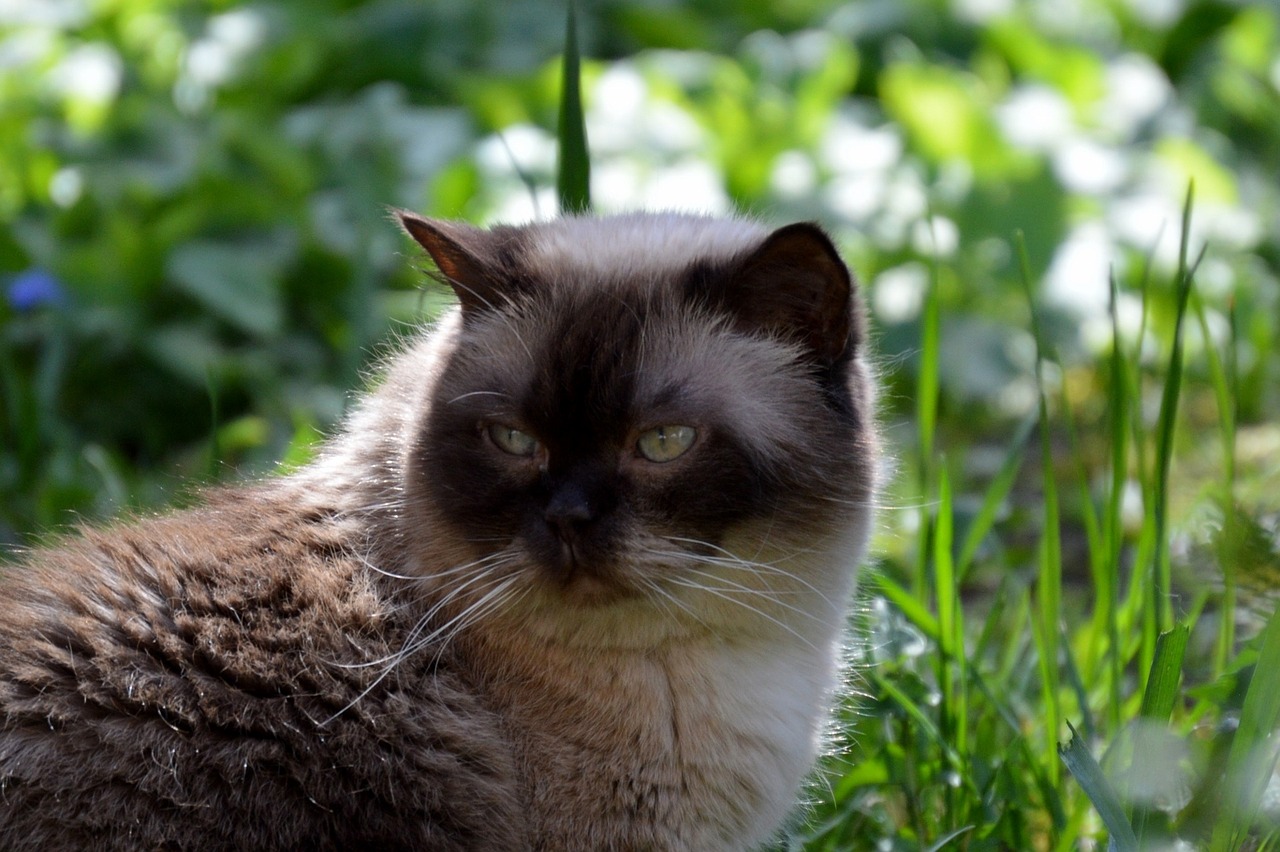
(648, 411)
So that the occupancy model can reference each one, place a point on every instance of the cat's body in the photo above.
(574, 577)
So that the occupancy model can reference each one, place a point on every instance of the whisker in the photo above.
(728, 597)
(479, 609)
(767, 594)
(665, 596)
(732, 560)
(463, 396)
(414, 642)
(422, 622)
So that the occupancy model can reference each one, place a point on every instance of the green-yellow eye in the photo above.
(666, 442)
(513, 440)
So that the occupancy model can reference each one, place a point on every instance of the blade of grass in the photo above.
(530, 183)
(1166, 672)
(943, 571)
(1253, 754)
(1162, 691)
(1080, 763)
(947, 838)
(573, 178)
(1140, 617)
(910, 606)
(927, 395)
(1222, 377)
(1049, 581)
(1119, 400)
(924, 725)
(995, 495)
(951, 668)
(1077, 684)
(1161, 588)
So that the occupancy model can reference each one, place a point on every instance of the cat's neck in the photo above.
(699, 741)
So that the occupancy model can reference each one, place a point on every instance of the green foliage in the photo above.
(196, 265)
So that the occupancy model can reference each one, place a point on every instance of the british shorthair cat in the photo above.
(574, 575)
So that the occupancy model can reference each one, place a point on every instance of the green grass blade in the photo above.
(1222, 377)
(927, 389)
(944, 568)
(1162, 691)
(909, 605)
(942, 842)
(1253, 751)
(1049, 581)
(529, 181)
(924, 726)
(995, 495)
(927, 392)
(573, 178)
(1166, 672)
(1162, 601)
(951, 662)
(1136, 609)
(1119, 401)
(1077, 684)
(1080, 763)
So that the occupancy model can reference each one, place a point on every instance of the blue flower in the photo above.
(34, 288)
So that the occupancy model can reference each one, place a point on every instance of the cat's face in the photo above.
(628, 401)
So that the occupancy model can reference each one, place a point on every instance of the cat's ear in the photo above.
(796, 284)
(459, 252)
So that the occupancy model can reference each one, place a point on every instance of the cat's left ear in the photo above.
(796, 284)
(458, 251)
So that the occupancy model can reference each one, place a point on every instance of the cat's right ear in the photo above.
(457, 249)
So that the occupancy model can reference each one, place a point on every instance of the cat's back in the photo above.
(223, 678)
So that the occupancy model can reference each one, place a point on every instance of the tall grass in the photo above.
(960, 740)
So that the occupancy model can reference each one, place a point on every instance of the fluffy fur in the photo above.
(424, 640)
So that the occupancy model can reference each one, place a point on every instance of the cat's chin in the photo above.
(593, 593)
(591, 590)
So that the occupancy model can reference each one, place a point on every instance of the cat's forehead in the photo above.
(634, 246)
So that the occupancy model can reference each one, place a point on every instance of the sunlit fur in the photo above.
(670, 694)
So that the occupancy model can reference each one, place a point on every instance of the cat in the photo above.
(574, 575)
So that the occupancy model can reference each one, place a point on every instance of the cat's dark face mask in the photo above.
(603, 436)
(593, 457)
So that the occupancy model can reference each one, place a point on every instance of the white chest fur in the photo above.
(749, 722)
(698, 746)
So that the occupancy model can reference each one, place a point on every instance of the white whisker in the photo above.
(732, 560)
(463, 396)
(768, 594)
(415, 641)
(745, 605)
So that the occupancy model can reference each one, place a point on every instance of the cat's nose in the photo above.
(568, 510)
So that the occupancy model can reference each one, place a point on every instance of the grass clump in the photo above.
(963, 732)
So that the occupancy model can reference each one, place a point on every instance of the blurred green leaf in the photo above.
(239, 282)
(947, 114)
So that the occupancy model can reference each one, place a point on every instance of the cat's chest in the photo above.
(697, 747)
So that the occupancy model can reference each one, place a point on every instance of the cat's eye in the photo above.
(513, 441)
(666, 442)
